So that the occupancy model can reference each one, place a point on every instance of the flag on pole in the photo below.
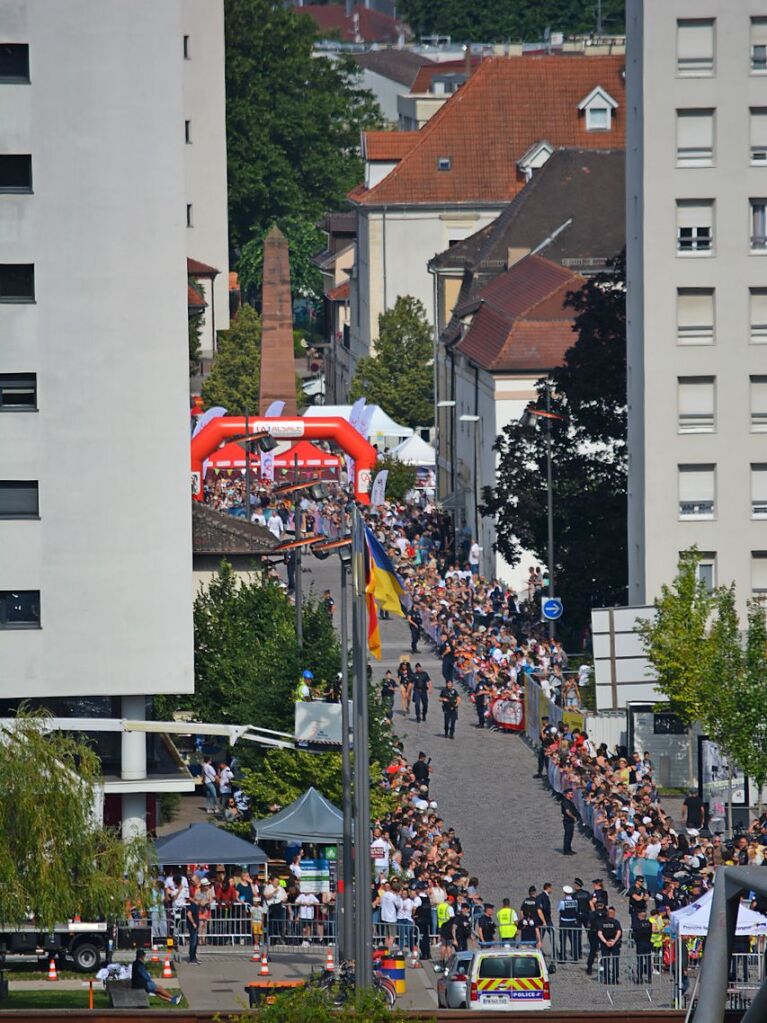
(384, 584)
(378, 493)
(364, 583)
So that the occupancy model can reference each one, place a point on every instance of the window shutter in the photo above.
(759, 570)
(758, 127)
(696, 483)
(759, 404)
(696, 402)
(759, 485)
(759, 314)
(759, 31)
(695, 310)
(695, 41)
(695, 130)
(693, 214)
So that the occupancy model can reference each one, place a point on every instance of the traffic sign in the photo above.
(551, 609)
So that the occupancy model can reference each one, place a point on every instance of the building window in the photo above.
(695, 46)
(696, 402)
(18, 392)
(697, 485)
(706, 569)
(759, 44)
(19, 609)
(759, 490)
(759, 571)
(758, 136)
(694, 225)
(14, 63)
(758, 404)
(598, 119)
(758, 314)
(598, 107)
(187, 51)
(17, 282)
(695, 316)
(758, 224)
(189, 214)
(694, 138)
(16, 173)
(19, 499)
(444, 163)
(187, 132)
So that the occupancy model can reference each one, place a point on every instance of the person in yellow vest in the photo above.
(658, 927)
(303, 692)
(507, 921)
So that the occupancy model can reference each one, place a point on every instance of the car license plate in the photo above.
(494, 999)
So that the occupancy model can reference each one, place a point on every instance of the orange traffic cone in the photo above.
(264, 971)
(155, 957)
(167, 972)
(330, 964)
(256, 957)
(52, 975)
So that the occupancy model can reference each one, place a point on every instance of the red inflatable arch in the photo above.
(317, 428)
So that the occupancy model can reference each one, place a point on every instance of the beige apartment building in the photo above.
(696, 224)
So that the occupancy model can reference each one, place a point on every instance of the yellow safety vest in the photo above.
(443, 913)
(658, 924)
(507, 922)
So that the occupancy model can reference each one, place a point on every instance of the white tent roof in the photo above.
(693, 919)
(381, 424)
(415, 451)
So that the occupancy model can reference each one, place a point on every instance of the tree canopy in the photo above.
(589, 461)
(400, 375)
(56, 859)
(293, 127)
(401, 479)
(234, 380)
(515, 20)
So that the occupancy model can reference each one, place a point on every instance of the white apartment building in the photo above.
(204, 134)
(697, 291)
(95, 530)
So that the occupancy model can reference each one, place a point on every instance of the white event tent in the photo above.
(693, 920)
(415, 451)
(382, 431)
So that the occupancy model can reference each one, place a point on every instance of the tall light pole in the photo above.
(451, 404)
(475, 476)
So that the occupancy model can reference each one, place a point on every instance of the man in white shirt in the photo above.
(209, 778)
(474, 551)
(306, 902)
(391, 903)
(409, 903)
(275, 526)
(225, 779)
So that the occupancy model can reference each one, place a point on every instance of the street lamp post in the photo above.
(451, 404)
(347, 862)
(475, 480)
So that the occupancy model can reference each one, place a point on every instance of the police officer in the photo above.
(569, 926)
(597, 917)
(507, 921)
(599, 895)
(421, 690)
(610, 935)
(415, 621)
(583, 899)
(637, 898)
(529, 932)
(450, 701)
(486, 925)
(545, 734)
(569, 817)
(479, 697)
(462, 928)
(388, 689)
(446, 651)
(642, 930)
(543, 912)
(529, 905)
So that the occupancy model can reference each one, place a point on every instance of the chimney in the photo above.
(349, 8)
(467, 59)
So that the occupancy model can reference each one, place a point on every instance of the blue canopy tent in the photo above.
(205, 843)
(311, 818)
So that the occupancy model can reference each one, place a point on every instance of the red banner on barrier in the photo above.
(508, 715)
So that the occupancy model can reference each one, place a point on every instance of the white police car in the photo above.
(508, 978)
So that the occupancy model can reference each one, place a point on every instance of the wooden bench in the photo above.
(123, 996)
(265, 991)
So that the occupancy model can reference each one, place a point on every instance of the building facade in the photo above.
(95, 531)
(697, 292)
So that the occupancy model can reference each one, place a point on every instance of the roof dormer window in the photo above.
(598, 107)
(534, 158)
(444, 163)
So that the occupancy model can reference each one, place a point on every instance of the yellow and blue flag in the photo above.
(383, 582)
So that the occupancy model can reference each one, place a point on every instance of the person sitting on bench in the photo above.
(141, 979)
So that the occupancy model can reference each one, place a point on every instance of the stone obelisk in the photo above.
(278, 375)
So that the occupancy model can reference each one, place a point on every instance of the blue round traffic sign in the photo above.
(552, 609)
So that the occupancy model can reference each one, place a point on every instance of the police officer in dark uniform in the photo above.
(422, 918)
(641, 928)
(569, 926)
(421, 687)
(610, 935)
(569, 817)
(415, 621)
(486, 925)
(529, 932)
(530, 904)
(388, 689)
(462, 928)
(583, 899)
(597, 917)
(599, 895)
(637, 898)
(446, 651)
(450, 701)
(479, 697)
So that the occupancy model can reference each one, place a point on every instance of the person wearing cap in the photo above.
(450, 701)
(637, 898)
(421, 690)
(569, 817)
(642, 930)
(569, 925)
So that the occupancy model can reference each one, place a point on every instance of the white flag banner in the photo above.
(355, 416)
(365, 420)
(267, 465)
(378, 493)
(205, 418)
(275, 410)
(350, 468)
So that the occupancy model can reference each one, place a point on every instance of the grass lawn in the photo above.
(31, 971)
(70, 1000)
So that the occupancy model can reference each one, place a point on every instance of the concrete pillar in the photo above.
(133, 768)
(278, 376)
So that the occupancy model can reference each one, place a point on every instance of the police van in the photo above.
(508, 977)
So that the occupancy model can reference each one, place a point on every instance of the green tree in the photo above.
(588, 456)
(233, 382)
(747, 722)
(517, 20)
(56, 859)
(401, 478)
(400, 375)
(677, 641)
(293, 122)
(196, 321)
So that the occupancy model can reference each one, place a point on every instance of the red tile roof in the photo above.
(372, 26)
(488, 124)
(339, 294)
(194, 299)
(197, 269)
(425, 74)
(522, 324)
(387, 145)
